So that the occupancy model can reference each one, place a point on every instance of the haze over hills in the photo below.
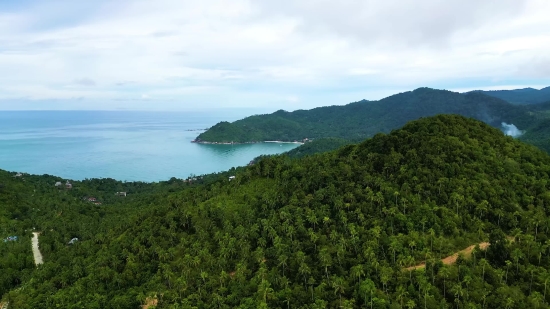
(521, 96)
(333, 230)
(363, 119)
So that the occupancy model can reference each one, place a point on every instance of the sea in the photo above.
(124, 145)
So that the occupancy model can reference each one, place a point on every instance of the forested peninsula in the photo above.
(365, 226)
(359, 120)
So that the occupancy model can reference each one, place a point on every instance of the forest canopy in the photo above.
(340, 229)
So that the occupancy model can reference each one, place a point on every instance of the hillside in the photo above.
(332, 230)
(364, 119)
(318, 146)
(31, 203)
(539, 135)
(521, 96)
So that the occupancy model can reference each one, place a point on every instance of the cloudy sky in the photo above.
(201, 54)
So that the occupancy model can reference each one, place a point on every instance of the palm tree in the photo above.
(385, 276)
(508, 263)
(394, 246)
(283, 262)
(304, 271)
(484, 296)
(326, 260)
(483, 263)
(467, 279)
(396, 194)
(410, 262)
(404, 203)
(536, 298)
(357, 271)
(455, 197)
(545, 276)
(412, 245)
(367, 287)
(265, 290)
(458, 291)
(401, 293)
(516, 255)
(338, 286)
(482, 207)
(312, 218)
(431, 231)
(509, 303)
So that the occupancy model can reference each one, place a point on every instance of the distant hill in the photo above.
(364, 119)
(523, 96)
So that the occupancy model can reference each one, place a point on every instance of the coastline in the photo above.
(243, 143)
(281, 142)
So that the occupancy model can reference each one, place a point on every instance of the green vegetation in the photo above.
(318, 146)
(364, 119)
(311, 147)
(332, 230)
(539, 135)
(521, 96)
(360, 120)
(32, 203)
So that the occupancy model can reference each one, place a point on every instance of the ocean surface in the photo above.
(130, 146)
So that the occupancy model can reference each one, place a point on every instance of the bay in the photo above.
(124, 145)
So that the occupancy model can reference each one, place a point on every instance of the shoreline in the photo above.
(243, 143)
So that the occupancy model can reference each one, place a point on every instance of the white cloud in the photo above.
(262, 52)
(85, 82)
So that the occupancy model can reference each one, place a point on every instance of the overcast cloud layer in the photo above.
(182, 55)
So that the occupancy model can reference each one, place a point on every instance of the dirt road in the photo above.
(452, 258)
(35, 250)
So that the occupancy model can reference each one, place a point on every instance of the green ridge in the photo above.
(364, 119)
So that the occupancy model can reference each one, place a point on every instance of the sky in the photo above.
(264, 54)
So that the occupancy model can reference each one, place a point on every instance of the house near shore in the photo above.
(120, 194)
(68, 185)
(18, 175)
(231, 178)
(58, 184)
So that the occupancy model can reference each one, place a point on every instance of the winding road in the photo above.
(35, 250)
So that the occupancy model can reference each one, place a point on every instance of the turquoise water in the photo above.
(131, 146)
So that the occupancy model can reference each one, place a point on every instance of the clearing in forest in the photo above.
(452, 258)
(149, 302)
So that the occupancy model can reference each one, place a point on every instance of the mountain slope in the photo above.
(333, 230)
(521, 96)
(363, 119)
(318, 146)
